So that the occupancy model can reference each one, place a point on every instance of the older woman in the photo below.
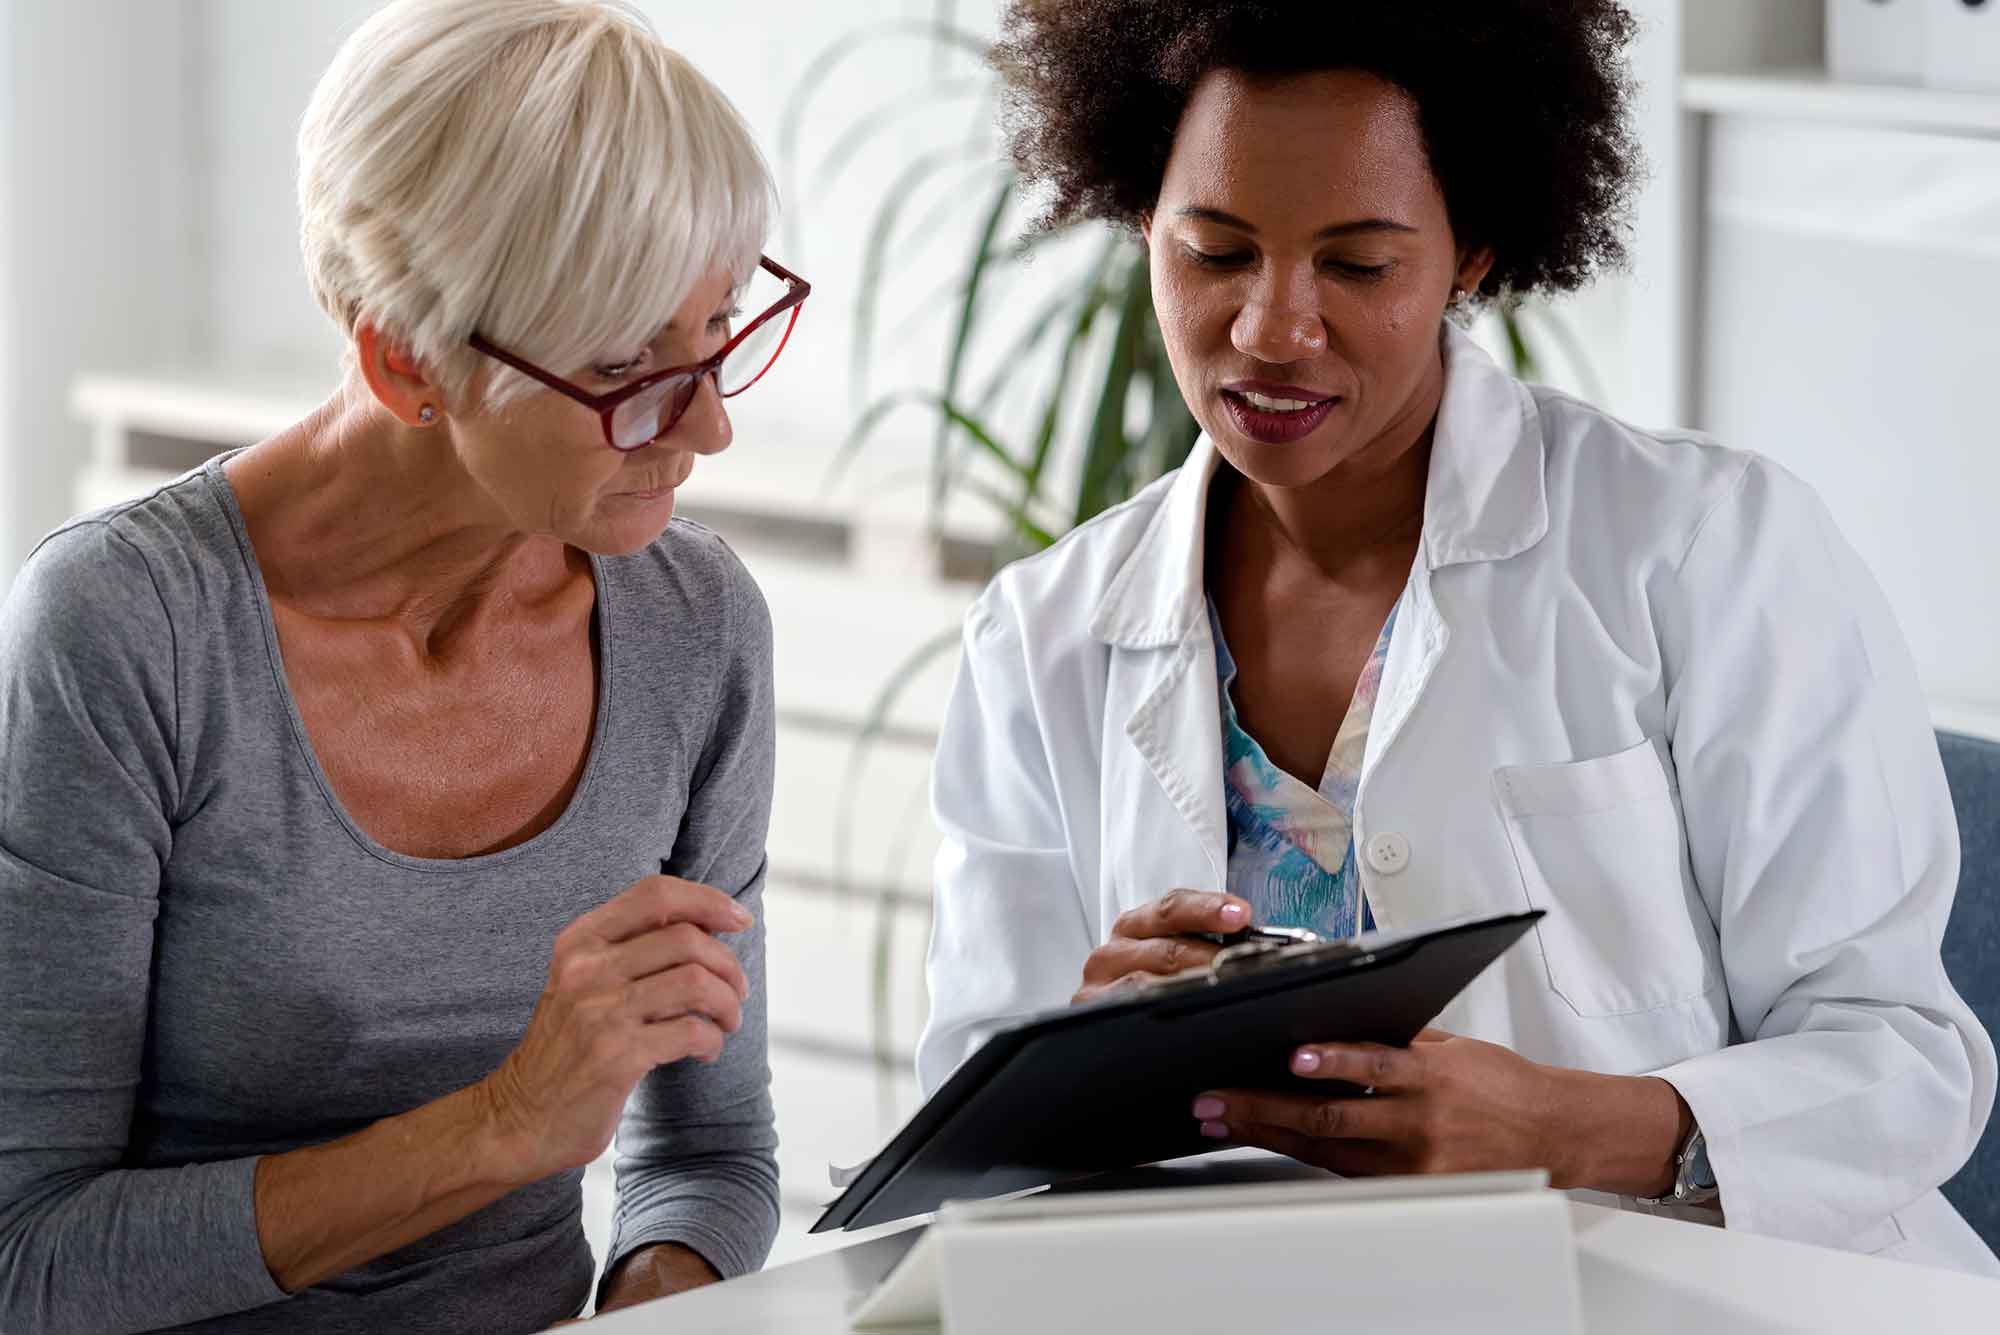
(1406, 639)
(382, 807)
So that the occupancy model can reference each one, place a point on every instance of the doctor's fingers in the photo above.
(1370, 1065)
(1158, 955)
(1359, 1117)
(1349, 1158)
(1180, 911)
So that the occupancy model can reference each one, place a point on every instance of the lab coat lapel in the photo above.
(1485, 500)
(1162, 663)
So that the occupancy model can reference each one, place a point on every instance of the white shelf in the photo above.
(1812, 95)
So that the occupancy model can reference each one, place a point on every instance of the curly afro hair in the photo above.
(1523, 105)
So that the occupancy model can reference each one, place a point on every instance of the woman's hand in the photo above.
(1153, 940)
(1447, 1104)
(638, 983)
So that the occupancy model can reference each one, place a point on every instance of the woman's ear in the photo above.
(1146, 228)
(398, 380)
(1473, 266)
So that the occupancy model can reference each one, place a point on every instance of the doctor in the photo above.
(1406, 639)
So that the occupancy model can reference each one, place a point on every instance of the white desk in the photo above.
(1639, 1275)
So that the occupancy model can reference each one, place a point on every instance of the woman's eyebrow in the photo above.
(1326, 233)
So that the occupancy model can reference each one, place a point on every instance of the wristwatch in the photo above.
(1694, 1180)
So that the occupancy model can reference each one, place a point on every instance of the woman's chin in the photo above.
(626, 524)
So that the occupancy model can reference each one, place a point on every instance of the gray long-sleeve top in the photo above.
(204, 960)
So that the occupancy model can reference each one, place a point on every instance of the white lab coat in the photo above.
(1637, 680)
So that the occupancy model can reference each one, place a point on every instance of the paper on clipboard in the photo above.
(842, 1178)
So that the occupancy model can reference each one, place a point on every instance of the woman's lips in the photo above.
(681, 468)
(1276, 426)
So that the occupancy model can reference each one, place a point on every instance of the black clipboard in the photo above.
(1109, 1085)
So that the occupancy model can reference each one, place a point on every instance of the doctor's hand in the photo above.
(1447, 1104)
(1155, 940)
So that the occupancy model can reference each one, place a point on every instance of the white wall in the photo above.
(96, 232)
(1845, 292)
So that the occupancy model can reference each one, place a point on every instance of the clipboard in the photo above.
(1109, 1084)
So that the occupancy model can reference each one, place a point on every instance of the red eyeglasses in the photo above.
(638, 414)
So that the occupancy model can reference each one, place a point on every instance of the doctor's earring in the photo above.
(427, 414)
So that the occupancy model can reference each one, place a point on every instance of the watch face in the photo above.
(1699, 1174)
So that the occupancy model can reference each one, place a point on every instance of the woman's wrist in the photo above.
(500, 1141)
(654, 1271)
(323, 1209)
(1622, 1134)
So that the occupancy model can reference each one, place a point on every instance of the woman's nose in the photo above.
(1281, 322)
(704, 428)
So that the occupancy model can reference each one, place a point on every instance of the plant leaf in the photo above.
(873, 724)
(1551, 320)
(1037, 535)
(867, 294)
(1107, 452)
(857, 134)
(1093, 300)
(1517, 344)
(873, 416)
(791, 120)
(968, 312)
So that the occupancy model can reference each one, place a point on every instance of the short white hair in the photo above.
(545, 172)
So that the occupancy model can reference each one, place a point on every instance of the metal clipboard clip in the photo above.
(1253, 950)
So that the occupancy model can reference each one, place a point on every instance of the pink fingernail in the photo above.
(1233, 912)
(1208, 1108)
(1215, 1130)
(1305, 1059)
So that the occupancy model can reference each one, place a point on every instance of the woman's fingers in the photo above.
(1163, 955)
(1312, 1116)
(665, 1042)
(1370, 1065)
(659, 901)
(1184, 911)
(686, 989)
(681, 943)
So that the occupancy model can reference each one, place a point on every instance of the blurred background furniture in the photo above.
(1972, 945)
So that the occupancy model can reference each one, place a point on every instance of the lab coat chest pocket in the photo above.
(1599, 845)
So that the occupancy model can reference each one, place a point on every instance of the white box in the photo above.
(1491, 1253)
(1876, 39)
(1962, 44)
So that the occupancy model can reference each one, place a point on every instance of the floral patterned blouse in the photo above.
(1291, 847)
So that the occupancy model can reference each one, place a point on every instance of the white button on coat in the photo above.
(1388, 853)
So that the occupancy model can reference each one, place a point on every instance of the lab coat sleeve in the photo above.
(1009, 936)
(1821, 834)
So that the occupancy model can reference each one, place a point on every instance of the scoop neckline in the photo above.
(225, 493)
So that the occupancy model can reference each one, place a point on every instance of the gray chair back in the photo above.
(1972, 946)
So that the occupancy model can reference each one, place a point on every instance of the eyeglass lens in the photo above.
(646, 416)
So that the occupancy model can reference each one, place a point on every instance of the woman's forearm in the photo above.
(325, 1209)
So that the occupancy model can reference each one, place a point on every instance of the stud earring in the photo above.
(427, 414)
